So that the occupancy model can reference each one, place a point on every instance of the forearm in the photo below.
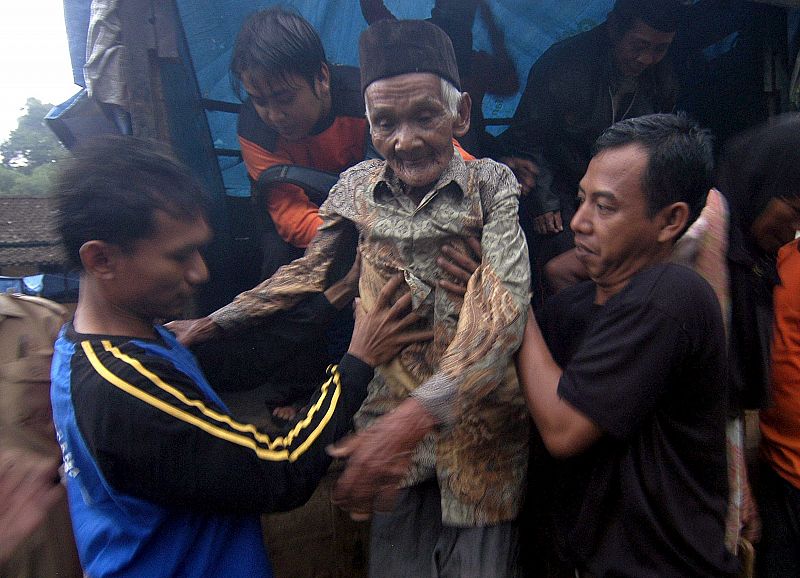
(562, 427)
(543, 199)
(287, 287)
(539, 375)
(216, 463)
(310, 318)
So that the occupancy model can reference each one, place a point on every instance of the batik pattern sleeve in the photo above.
(483, 411)
(292, 282)
(494, 310)
(155, 434)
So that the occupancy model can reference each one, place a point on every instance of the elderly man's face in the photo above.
(412, 127)
(614, 235)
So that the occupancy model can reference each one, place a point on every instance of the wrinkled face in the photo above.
(412, 128)
(777, 224)
(640, 48)
(156, 278)
(290, 106)
(614, 236)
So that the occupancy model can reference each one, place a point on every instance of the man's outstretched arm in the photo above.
(285, 289)
(206, 458)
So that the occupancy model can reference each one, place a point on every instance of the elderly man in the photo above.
(447, 417)
(578, 88)
(626, 381)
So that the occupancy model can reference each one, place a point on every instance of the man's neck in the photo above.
(326, 117)
(605, 290)
(97, 316)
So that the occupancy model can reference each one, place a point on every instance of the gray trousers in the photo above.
(411, 542)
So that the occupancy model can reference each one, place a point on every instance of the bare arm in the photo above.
(564, 430)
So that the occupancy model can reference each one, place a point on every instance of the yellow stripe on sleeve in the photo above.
(269, 453)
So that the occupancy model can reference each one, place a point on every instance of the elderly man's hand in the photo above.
(378, 458)
(525, 170)
(548, 223)
(193, 331)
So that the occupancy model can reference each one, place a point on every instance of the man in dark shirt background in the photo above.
(577, 89)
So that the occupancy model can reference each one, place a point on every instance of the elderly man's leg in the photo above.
(410, 542)
(476, 552)
(402, 541)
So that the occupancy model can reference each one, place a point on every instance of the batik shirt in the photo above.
(464, 376)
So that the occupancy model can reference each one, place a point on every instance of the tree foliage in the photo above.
(29, 155)
(15, 183)
(31, 144)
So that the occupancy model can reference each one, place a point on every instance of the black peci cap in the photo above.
(394, 47)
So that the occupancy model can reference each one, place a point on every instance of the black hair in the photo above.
(276, 43)
(680, 158)
(111, 188)
(662, 15)
(759, 165)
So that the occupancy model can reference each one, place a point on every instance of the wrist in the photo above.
(361, 354)
(415, 417)
(205, 329)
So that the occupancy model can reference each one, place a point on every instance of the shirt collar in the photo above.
(455, 172)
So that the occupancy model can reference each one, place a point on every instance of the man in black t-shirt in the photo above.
(627, 385)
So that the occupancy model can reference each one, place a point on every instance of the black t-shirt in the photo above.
(648, 367)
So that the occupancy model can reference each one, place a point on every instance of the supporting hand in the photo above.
(378, 458)
(459, 264)
(346, 289)
(193, 331)
(380, 334)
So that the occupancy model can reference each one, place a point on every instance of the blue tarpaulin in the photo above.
(211, 27)
(60, 288)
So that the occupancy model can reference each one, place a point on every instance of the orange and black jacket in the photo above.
(338, 142)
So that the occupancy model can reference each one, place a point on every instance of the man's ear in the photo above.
(461, 122)
(322, 82)
(674, 218)
(99, 259)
